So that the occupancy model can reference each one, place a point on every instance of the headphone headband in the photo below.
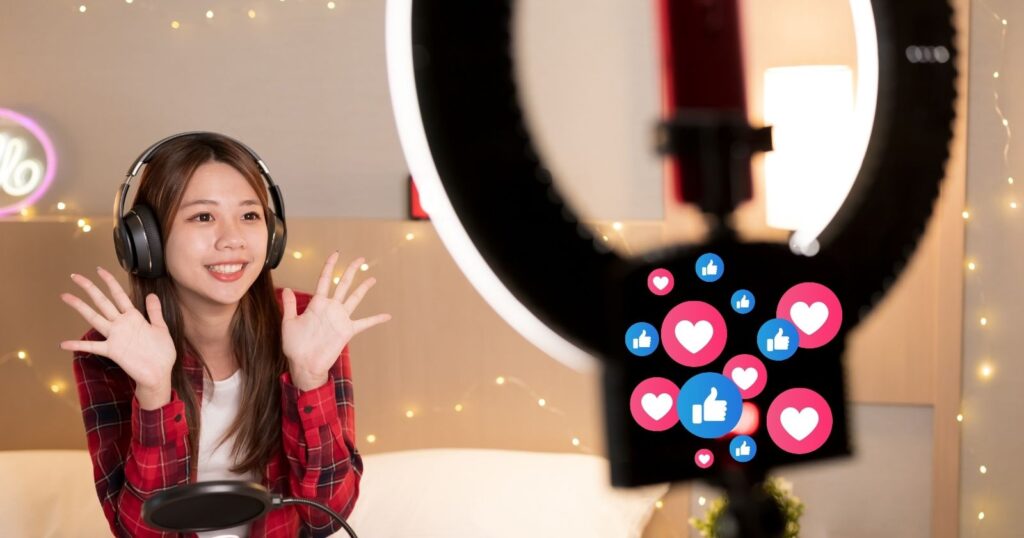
(144, 158)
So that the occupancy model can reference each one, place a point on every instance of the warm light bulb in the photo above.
(541, 402)
(22, 355)
(986, 371)
(81, 222)
(128, 1)
(500, 380)
(409, 414)
(86, 228)
(209, 14)
(972, 266)
(252, 13)
(575, 441)
(983, 321)
(960, 418)
(995, 75)
(1009, 180)
(981, 515)
(175, 25)
(458, 408)
(659, 504)
(330, 5)
(81, 9)
(55, 388)
(337, 279)
(371, 438)
(1004, 22)
(364, 267)
(297, 255)
(1006, 122)
(966, 215)
(409, 236)
(617, 226)
(61, 206)
(1013, 205)
(24, 212)
(983, 469)
(701, 500)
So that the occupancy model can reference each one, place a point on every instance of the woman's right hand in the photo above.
(143, 349)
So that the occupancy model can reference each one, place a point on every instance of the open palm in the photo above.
(313, 341)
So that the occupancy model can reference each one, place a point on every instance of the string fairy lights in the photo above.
(987, 369)
(208, 14)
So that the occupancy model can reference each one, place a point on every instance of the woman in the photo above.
(224, 377)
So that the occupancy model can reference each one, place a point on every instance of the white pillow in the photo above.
(454, 493)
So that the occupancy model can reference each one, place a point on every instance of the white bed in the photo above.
(435, 493)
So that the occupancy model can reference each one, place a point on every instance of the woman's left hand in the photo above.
(313, 341)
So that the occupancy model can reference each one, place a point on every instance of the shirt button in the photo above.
(308, 409)
(177, 418)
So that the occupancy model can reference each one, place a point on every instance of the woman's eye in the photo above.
(255, 215)
(200, 216)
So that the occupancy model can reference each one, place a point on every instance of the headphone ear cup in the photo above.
(277, 238)
(123, 246)
(145, 235)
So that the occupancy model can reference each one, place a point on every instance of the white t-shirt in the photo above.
(218, 410)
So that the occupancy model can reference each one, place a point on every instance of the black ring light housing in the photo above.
(515, 217)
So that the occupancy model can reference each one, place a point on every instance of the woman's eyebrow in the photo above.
(215, 202)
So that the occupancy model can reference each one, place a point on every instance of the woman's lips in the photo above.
(231, 277)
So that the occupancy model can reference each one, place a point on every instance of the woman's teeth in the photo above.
(226, 269)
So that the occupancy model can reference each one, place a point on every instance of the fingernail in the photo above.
(73, 275)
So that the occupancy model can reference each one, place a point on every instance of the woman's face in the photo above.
(220, 222)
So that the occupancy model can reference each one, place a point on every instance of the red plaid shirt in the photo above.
(137, 453)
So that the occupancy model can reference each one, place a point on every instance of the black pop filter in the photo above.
(218, 504)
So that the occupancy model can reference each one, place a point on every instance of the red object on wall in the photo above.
(701, 65)
(416, 211)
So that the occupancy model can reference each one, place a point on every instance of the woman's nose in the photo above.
(230, 236)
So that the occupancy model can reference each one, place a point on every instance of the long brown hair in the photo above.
(256, 325)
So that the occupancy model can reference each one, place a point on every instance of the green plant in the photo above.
(776, 488)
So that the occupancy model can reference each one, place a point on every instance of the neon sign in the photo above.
(24, 177)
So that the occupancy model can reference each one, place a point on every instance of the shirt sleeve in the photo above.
(135, 453)
(318, 433)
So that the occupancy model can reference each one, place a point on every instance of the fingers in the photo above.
(98, 322)
(323, 285)
(98, 298)
(353, 300)
(121, 299)
(156, 314)
(361, 325)
(288, 302)
(346, 279)
(88, 346)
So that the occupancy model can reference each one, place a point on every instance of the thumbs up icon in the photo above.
(743, 450)
(710, 269)
(779, 343)
(713, 409)
(743, 303)
(643, 341)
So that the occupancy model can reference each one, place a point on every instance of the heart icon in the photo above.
(694, 336)
(660, 282)
(744, 378)
(656, 406)
(703, 458)
(799, 424)
(808, 318)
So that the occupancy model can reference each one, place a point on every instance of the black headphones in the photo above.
(137, 239)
